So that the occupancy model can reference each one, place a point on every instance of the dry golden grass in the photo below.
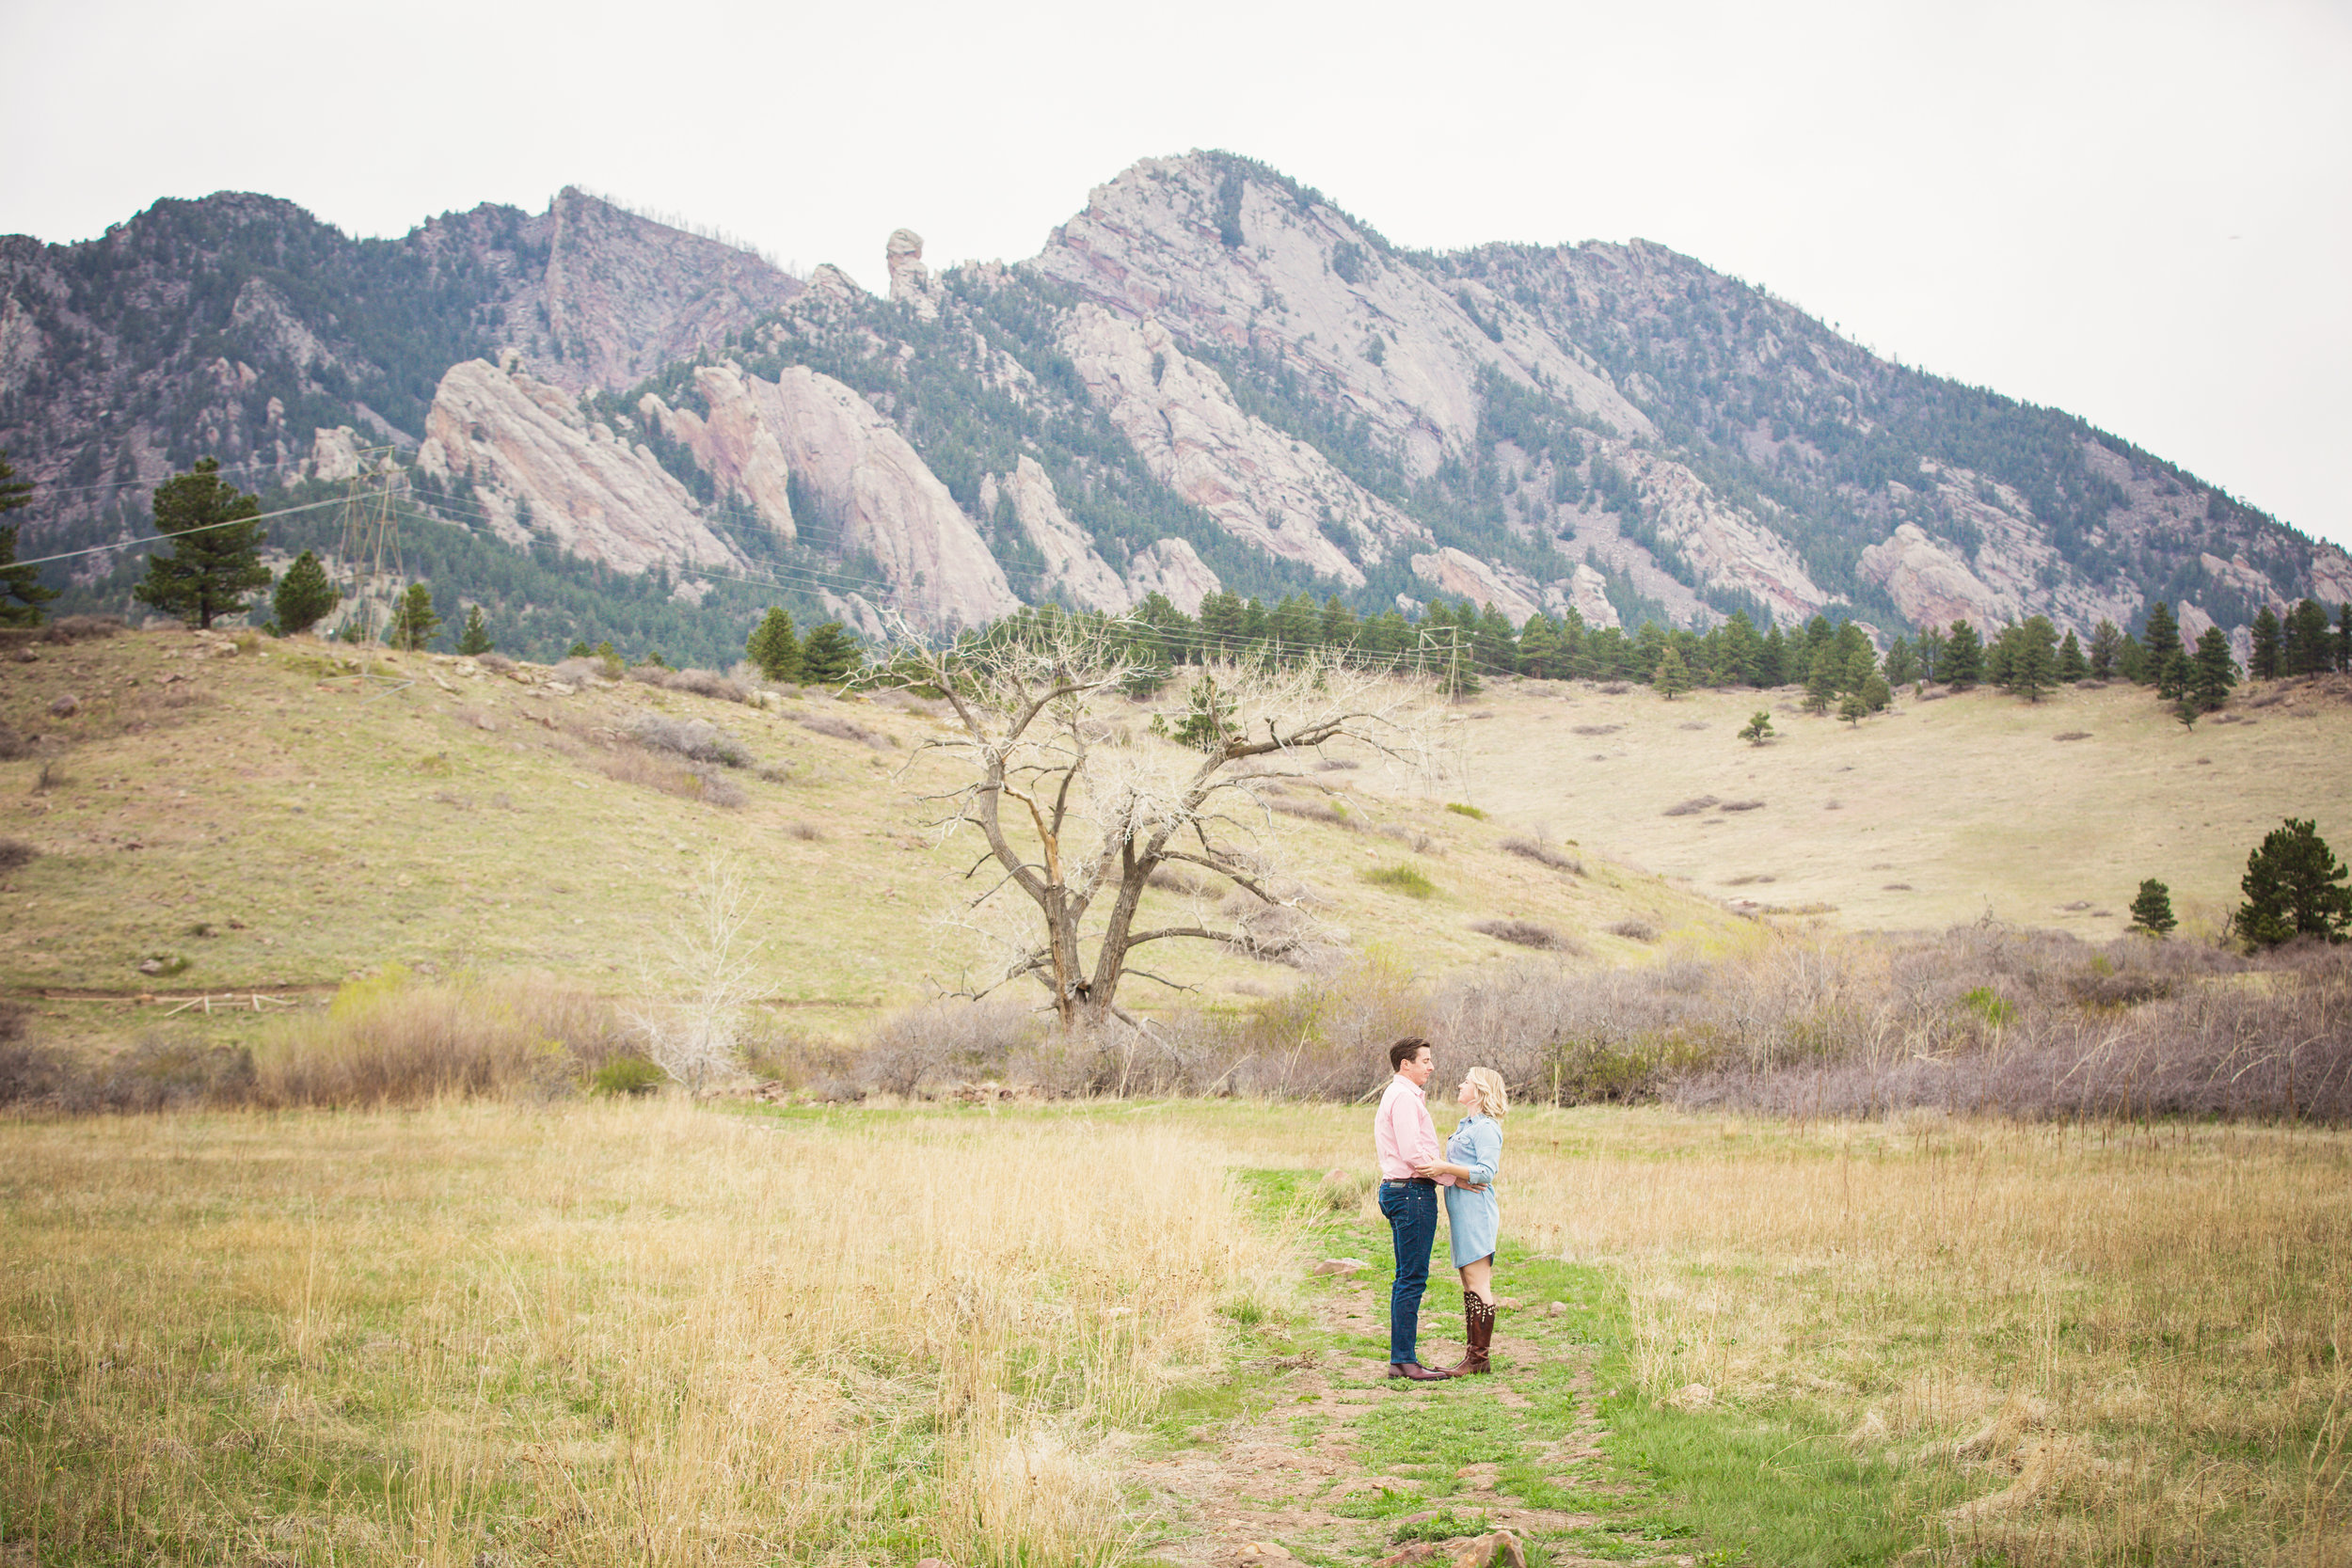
(650, 1333)
(602, 1334)
(271, 818)
(1944, 809)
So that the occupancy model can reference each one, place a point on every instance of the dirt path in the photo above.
(1335, 1464)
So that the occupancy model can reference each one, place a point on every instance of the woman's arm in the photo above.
(1487, 1151)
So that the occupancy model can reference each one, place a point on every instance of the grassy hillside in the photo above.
(279, 816)
(1934, 811)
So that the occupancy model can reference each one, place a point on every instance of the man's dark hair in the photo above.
(1404, 1050)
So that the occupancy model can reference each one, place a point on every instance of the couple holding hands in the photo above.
(1412, 1170)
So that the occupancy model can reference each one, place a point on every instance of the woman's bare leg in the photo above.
(1479, 1280)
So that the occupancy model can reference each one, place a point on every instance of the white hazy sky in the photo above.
(2139, 211)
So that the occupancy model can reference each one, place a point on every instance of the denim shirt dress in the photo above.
(1475, 1219)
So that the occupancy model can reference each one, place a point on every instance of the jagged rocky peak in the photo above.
(625, 296)
(911, 281)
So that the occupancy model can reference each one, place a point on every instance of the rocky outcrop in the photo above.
(541, 469)
(736, 443)
(911, 281)
(334, 454)
(1587, 593)
(625, 296)
(1725, 545)
(1264, 488)
(1072, 565)
(1305, 282)
(872, 495)
(1457, 575)
(1171, 567)
(1930, 582)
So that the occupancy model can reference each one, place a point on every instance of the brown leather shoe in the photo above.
(1418, 1372)
(1479, 1321)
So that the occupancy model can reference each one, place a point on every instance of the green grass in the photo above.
(1725, 1485)
(1400, 878)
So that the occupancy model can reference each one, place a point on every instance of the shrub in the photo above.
(702, 683)
(1742, 805)
(696, 739)
(1325, 812)
(1635, 930)
(12, 745)
(15, 854)
(497, 663)
(842, 728)
(1458, 809)
(947, 1040)
(1521, 933)
(627, 1076)
(1543, 854)
(1692, 807)
(1400, 878)
(579, 670)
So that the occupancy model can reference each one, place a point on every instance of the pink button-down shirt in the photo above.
(1402, 1134)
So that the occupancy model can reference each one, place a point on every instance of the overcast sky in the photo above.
(2137, 212)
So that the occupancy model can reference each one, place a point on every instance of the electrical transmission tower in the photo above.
(371, 542)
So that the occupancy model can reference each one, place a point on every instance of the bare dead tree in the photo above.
(1077, 810)
(705, 973)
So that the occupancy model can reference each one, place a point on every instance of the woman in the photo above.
(1472, 1156)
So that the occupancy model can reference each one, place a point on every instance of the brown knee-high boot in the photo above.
(1479, 1320)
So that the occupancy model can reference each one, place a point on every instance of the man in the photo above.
(1406, 1139)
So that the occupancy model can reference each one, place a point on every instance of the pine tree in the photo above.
(303, 597)
(1759, 727)
(1539, 649)
(2107, 648)
(830, 655)
(2131, 659)
(474, 641)
(2215, 672)
(2344, 636)
(1821, 688)
(1208, 721)
(2159, 641)
(2292, 887)
(2315, 649)
(775, 648)
(2151, 911)
(216, 548)
(1339, 623)
(1901, 663)
(413, 621)
(1772, 660)
(1930, 654)
(1963, 662)
(1853, 709)
(1674, 675)
(1877, 693)
(1999, 649)
(21, 592)
(2262, 660)
(2072, 666)
(2033, 665)
(2178, 675)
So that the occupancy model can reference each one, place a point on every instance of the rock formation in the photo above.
(873, 496)
(1264, 488)
(911, 281)
(1171, 567)
(1071, 564)
(540, 467)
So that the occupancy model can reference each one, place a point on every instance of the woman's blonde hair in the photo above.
(1493, 1100)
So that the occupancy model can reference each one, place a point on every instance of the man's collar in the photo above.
(1411, 1085)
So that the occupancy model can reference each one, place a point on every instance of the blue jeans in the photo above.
(1413, 1210)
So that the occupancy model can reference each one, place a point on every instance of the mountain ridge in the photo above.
(1209, 376)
